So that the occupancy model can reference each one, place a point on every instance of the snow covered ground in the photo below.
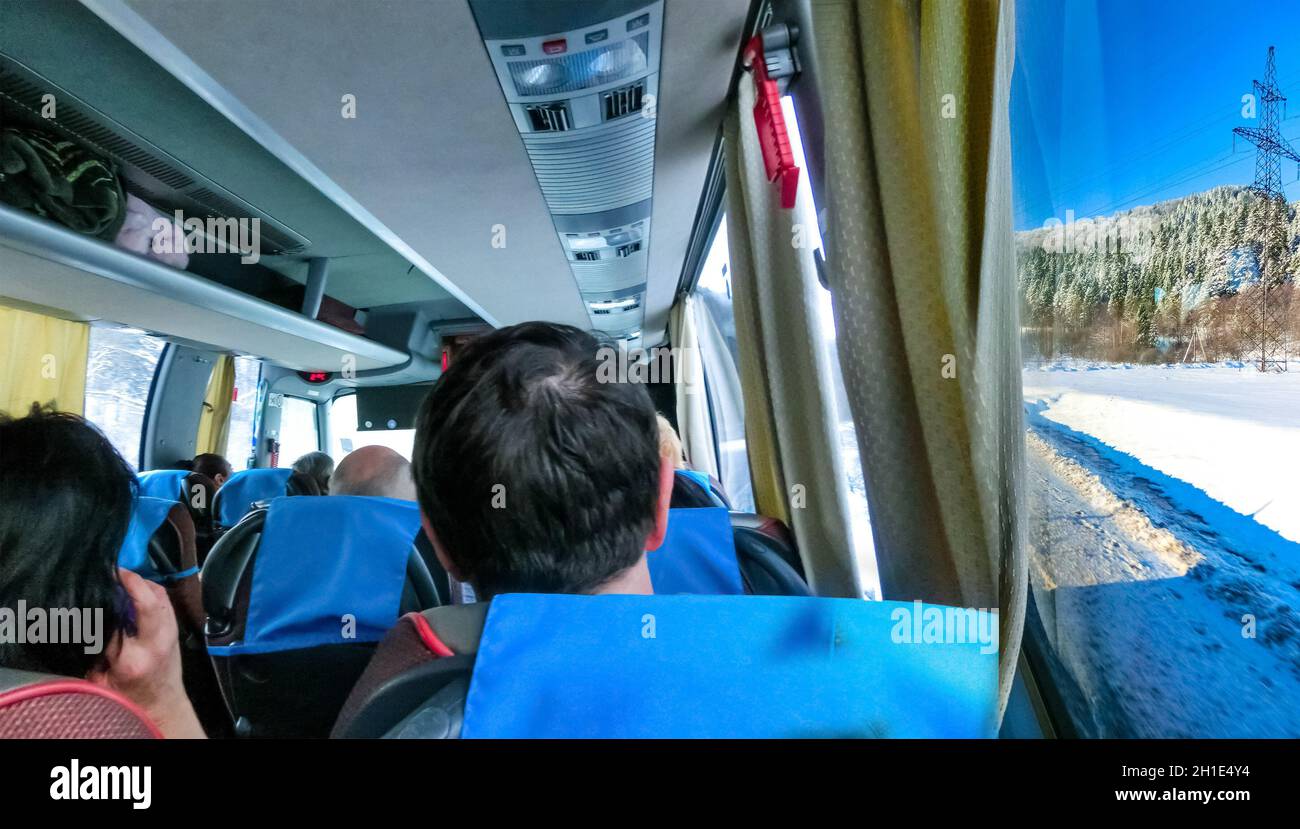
(1165, 512)
(1228, 430)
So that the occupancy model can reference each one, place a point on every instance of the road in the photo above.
(1144, 599)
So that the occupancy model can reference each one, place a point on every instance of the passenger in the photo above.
(214, 466)
(690, 488)
(670, 445)
(319, 467)
(66, 501)
(533, 475)
(374, 470)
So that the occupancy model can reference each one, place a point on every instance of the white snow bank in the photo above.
(1230, 431)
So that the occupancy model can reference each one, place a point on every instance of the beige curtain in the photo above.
(42, 360)
(694, 425)
(214, 421)
(922, 272)
(791, 430)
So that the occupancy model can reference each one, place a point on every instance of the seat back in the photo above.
(696, 489)
(562, 666)
(48, 707)
(200, 498)
(710, 551)
(160, 545)
(297, 595)
(236, 497)
(193, 489)
(167, 484)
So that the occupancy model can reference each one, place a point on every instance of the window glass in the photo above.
(344, 435)
(1162, 508)
(239, 445)
(297, 429)
(119, 371)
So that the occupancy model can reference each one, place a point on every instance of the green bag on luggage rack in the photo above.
(62, 181)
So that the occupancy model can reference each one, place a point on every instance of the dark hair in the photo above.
(319, 467)
(66, 500)
(212, 465)
(522, 414)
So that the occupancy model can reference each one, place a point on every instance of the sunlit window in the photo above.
(239, 446)
(119, 371)
(345, 436)
(298, 431)
(1163, 514)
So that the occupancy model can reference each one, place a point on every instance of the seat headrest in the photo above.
(695, 489)
(44, 706)
(163, 483)
(328, 570)
(149, 516)
(698, 555)
(563, 666)
(237, 496)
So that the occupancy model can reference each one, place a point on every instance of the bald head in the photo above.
(374, 470)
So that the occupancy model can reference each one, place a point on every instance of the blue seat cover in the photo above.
(237, 495)
(559, 666)
(321, 560)
(148, 515)
(163, 483)
(698, 555)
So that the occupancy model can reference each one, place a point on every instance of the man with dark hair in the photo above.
(533, 475)
(214, 466)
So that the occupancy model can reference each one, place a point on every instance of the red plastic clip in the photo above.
(773, 137)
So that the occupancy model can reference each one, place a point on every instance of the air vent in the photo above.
(625, 101)
(549, 117)
(628, 249)
(600, 312)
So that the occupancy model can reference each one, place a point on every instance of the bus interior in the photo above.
(261, 230)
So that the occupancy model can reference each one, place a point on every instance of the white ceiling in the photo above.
(433, 154)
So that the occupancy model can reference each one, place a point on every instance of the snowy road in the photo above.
(1142, 581)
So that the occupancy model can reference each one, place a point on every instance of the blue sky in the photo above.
(1119, 103)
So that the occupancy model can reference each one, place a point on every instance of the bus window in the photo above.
(1161, 440)
(239, 445)
(119, 372)
(345, 436)
(298, 433)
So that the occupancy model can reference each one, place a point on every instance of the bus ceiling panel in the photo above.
(83, 278)
(434, 154)
(431, 161)
(175, 149)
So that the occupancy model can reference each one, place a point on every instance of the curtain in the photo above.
(726, 405)
(44, 361)
(791, 430)
(214, 421)
(694, 426)
(922, 270)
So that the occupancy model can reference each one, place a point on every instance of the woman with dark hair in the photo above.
(66, 501)
(319, 467)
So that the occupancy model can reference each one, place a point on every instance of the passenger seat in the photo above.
(296, 597)
(49, 707)
(237, 496)
(160, 546)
